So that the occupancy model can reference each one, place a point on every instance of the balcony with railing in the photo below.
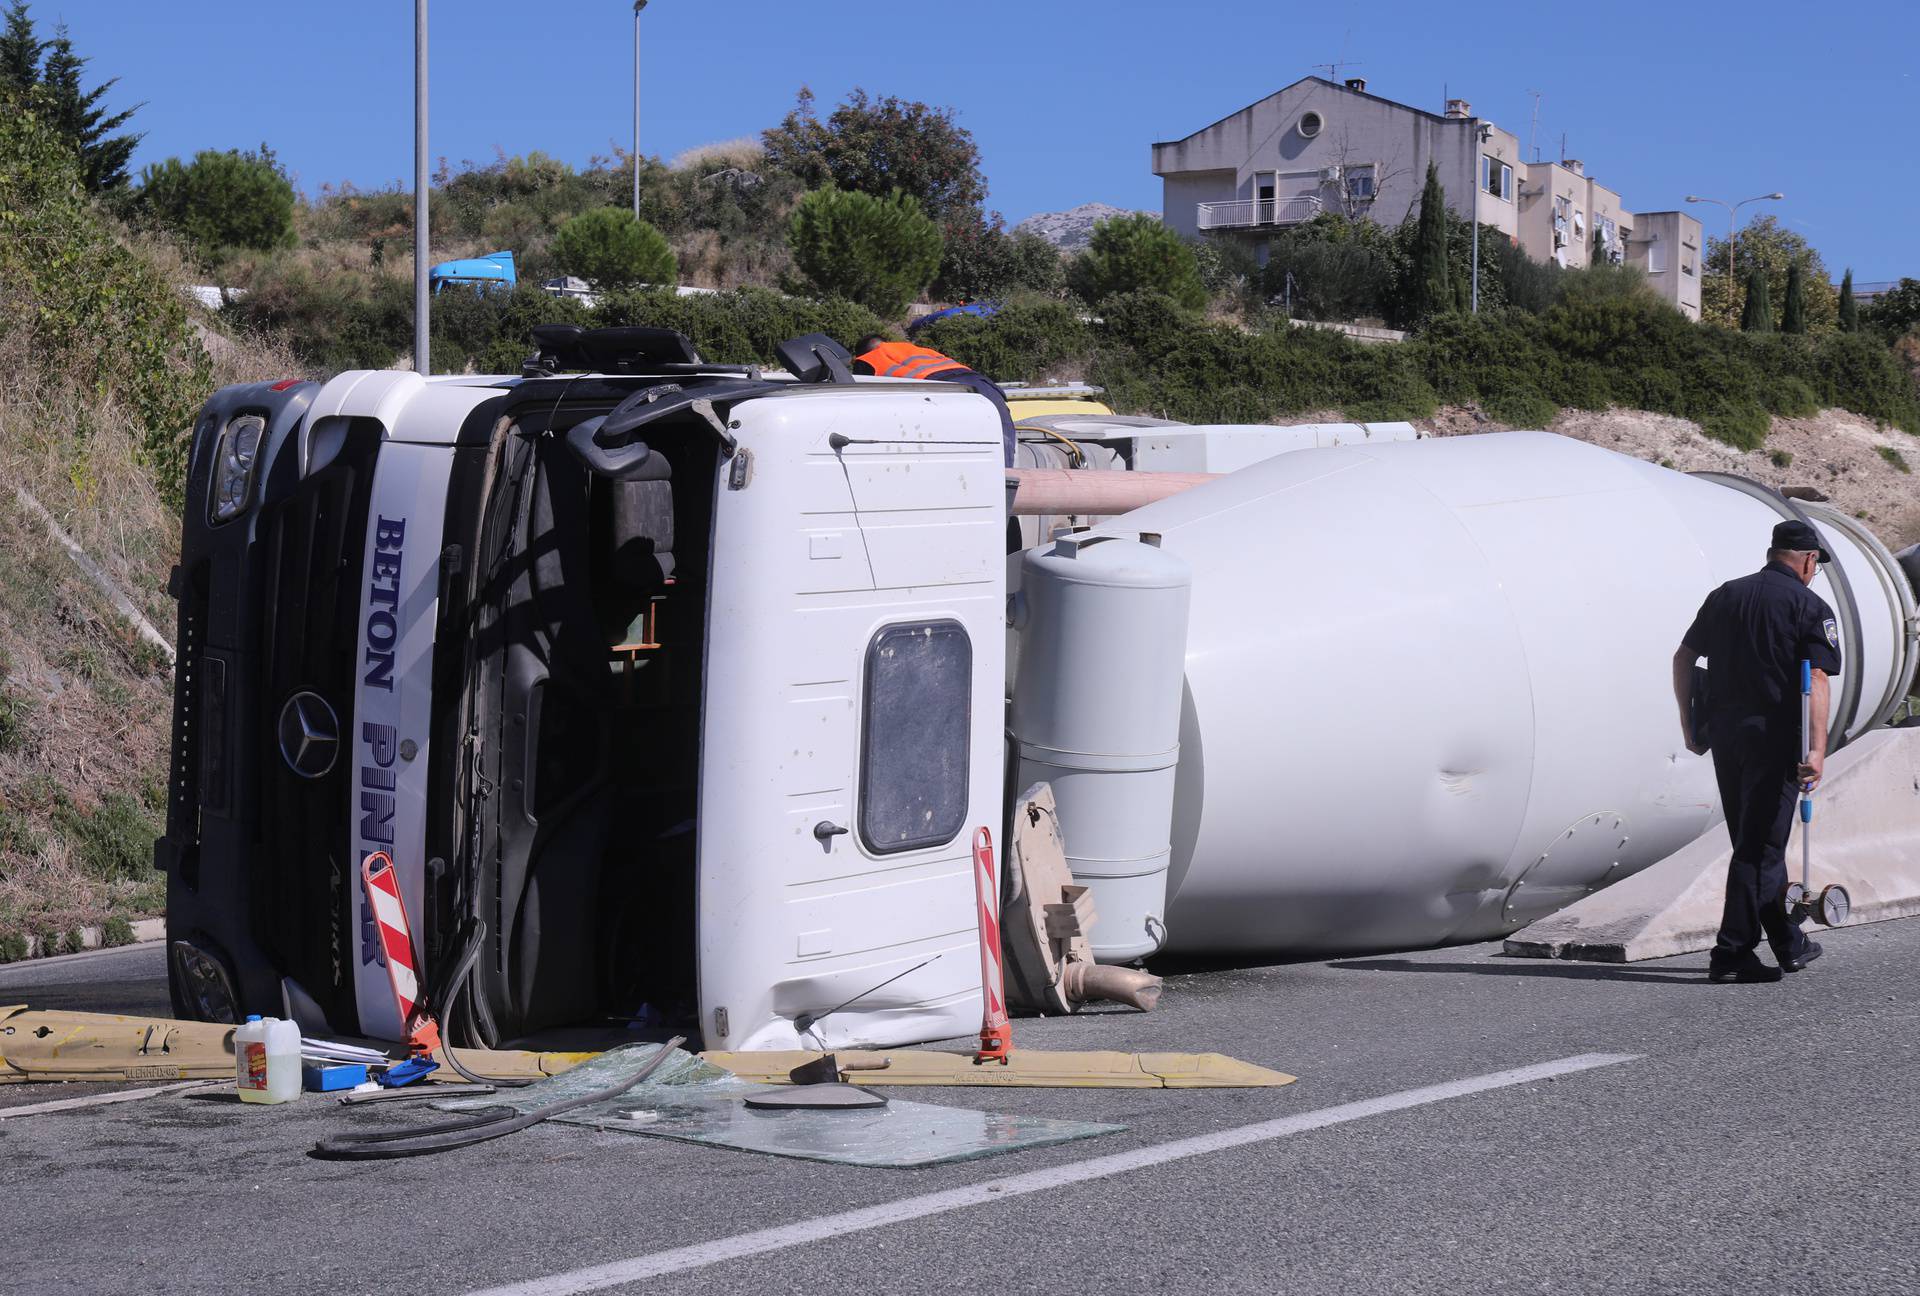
(1256, 213)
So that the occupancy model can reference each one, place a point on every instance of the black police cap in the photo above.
(1798, 535)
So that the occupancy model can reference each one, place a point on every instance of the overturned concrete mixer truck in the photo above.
(681, 692)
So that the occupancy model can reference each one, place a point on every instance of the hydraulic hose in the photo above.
(450, 996)
(384, 1145)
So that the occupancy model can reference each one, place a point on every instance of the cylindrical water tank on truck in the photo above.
(1096, 712)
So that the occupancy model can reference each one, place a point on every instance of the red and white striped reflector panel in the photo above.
(987, 888)
(396, 936)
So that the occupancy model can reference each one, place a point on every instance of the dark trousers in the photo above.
(1759, 783)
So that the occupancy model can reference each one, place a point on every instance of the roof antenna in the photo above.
(1533, 139)
(1339, 65)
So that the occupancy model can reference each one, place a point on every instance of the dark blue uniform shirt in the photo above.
(1754, 633)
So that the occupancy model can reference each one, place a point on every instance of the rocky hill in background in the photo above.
(1069, 230)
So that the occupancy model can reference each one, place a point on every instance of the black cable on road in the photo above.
(385, 1145)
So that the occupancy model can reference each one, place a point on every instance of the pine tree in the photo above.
(1757, 315)
(19, 52)
(1793, 314)
(76, 114)
(1849, 311)
(1432, 294)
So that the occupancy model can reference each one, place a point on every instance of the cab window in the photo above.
(915, 729)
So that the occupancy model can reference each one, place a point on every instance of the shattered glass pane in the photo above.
(695, 1102)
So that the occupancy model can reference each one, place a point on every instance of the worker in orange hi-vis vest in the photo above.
(876, 355)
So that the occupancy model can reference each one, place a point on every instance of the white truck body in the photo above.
(1423, 696)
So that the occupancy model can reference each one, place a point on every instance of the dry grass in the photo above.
(745, 152)
(85, 704)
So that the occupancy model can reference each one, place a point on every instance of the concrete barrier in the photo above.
(1866, 836)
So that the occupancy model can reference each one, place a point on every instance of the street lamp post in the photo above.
(638, 5)
(1731, 209)
(421, 363)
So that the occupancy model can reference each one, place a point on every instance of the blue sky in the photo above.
(1660, 101)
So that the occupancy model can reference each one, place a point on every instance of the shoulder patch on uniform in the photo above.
(1833, 632)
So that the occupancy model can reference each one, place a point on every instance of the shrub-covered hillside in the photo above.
(104, 367)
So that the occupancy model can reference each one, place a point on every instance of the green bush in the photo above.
(742, 326)
(333, 320)
(1895, 458)
(1607, 342)
(1025, 340)
(878, 252)
(1136, 253)
(222, 199)
(114, 841)
(1333, 279)
(982, 261)
(612, 251)
(13, 947)
(98, 315)
(1895, 312)
(116, 931)
(492, 332)
(880, 147)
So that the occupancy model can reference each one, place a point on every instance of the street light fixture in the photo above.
(1731, 209)
(638, 5)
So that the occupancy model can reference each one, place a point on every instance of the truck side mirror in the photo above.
(814, 358)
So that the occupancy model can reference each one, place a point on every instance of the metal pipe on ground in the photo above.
(1042, 491)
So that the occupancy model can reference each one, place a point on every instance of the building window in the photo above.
(1310, 124)
(915, 730)
(1360, 183)
(1496, 177)
(1688, 258)
(1656, 256)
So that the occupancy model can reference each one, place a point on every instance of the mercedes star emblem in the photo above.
(309, 735)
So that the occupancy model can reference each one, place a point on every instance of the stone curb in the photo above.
(93, 938)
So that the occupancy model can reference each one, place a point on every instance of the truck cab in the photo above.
(673, 689)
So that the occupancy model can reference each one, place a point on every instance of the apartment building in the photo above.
(1322, 146)
(1666, 245)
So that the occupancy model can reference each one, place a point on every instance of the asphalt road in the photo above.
(1761, 1138)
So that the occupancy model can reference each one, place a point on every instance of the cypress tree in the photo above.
(1849, 311)
(1432, 294)
(76, 114)
(19, 51)
(1757, 315)
(1793, 315)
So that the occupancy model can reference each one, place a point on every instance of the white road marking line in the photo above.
(599, 1277)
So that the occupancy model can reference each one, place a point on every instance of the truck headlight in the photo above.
(234, 455)
(203, 983)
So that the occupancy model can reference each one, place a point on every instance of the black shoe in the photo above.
(1751, 972)
(1808, 953)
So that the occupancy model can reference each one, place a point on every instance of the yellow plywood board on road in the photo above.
(38, 1045)
(42, 1045)
(1027, 1068)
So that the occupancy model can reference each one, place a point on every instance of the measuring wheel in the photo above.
(1833, 907)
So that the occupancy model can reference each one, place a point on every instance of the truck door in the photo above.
(852, 717)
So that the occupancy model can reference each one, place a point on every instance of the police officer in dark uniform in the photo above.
(1754, 633)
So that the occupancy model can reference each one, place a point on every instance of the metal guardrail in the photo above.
(1243, 213)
